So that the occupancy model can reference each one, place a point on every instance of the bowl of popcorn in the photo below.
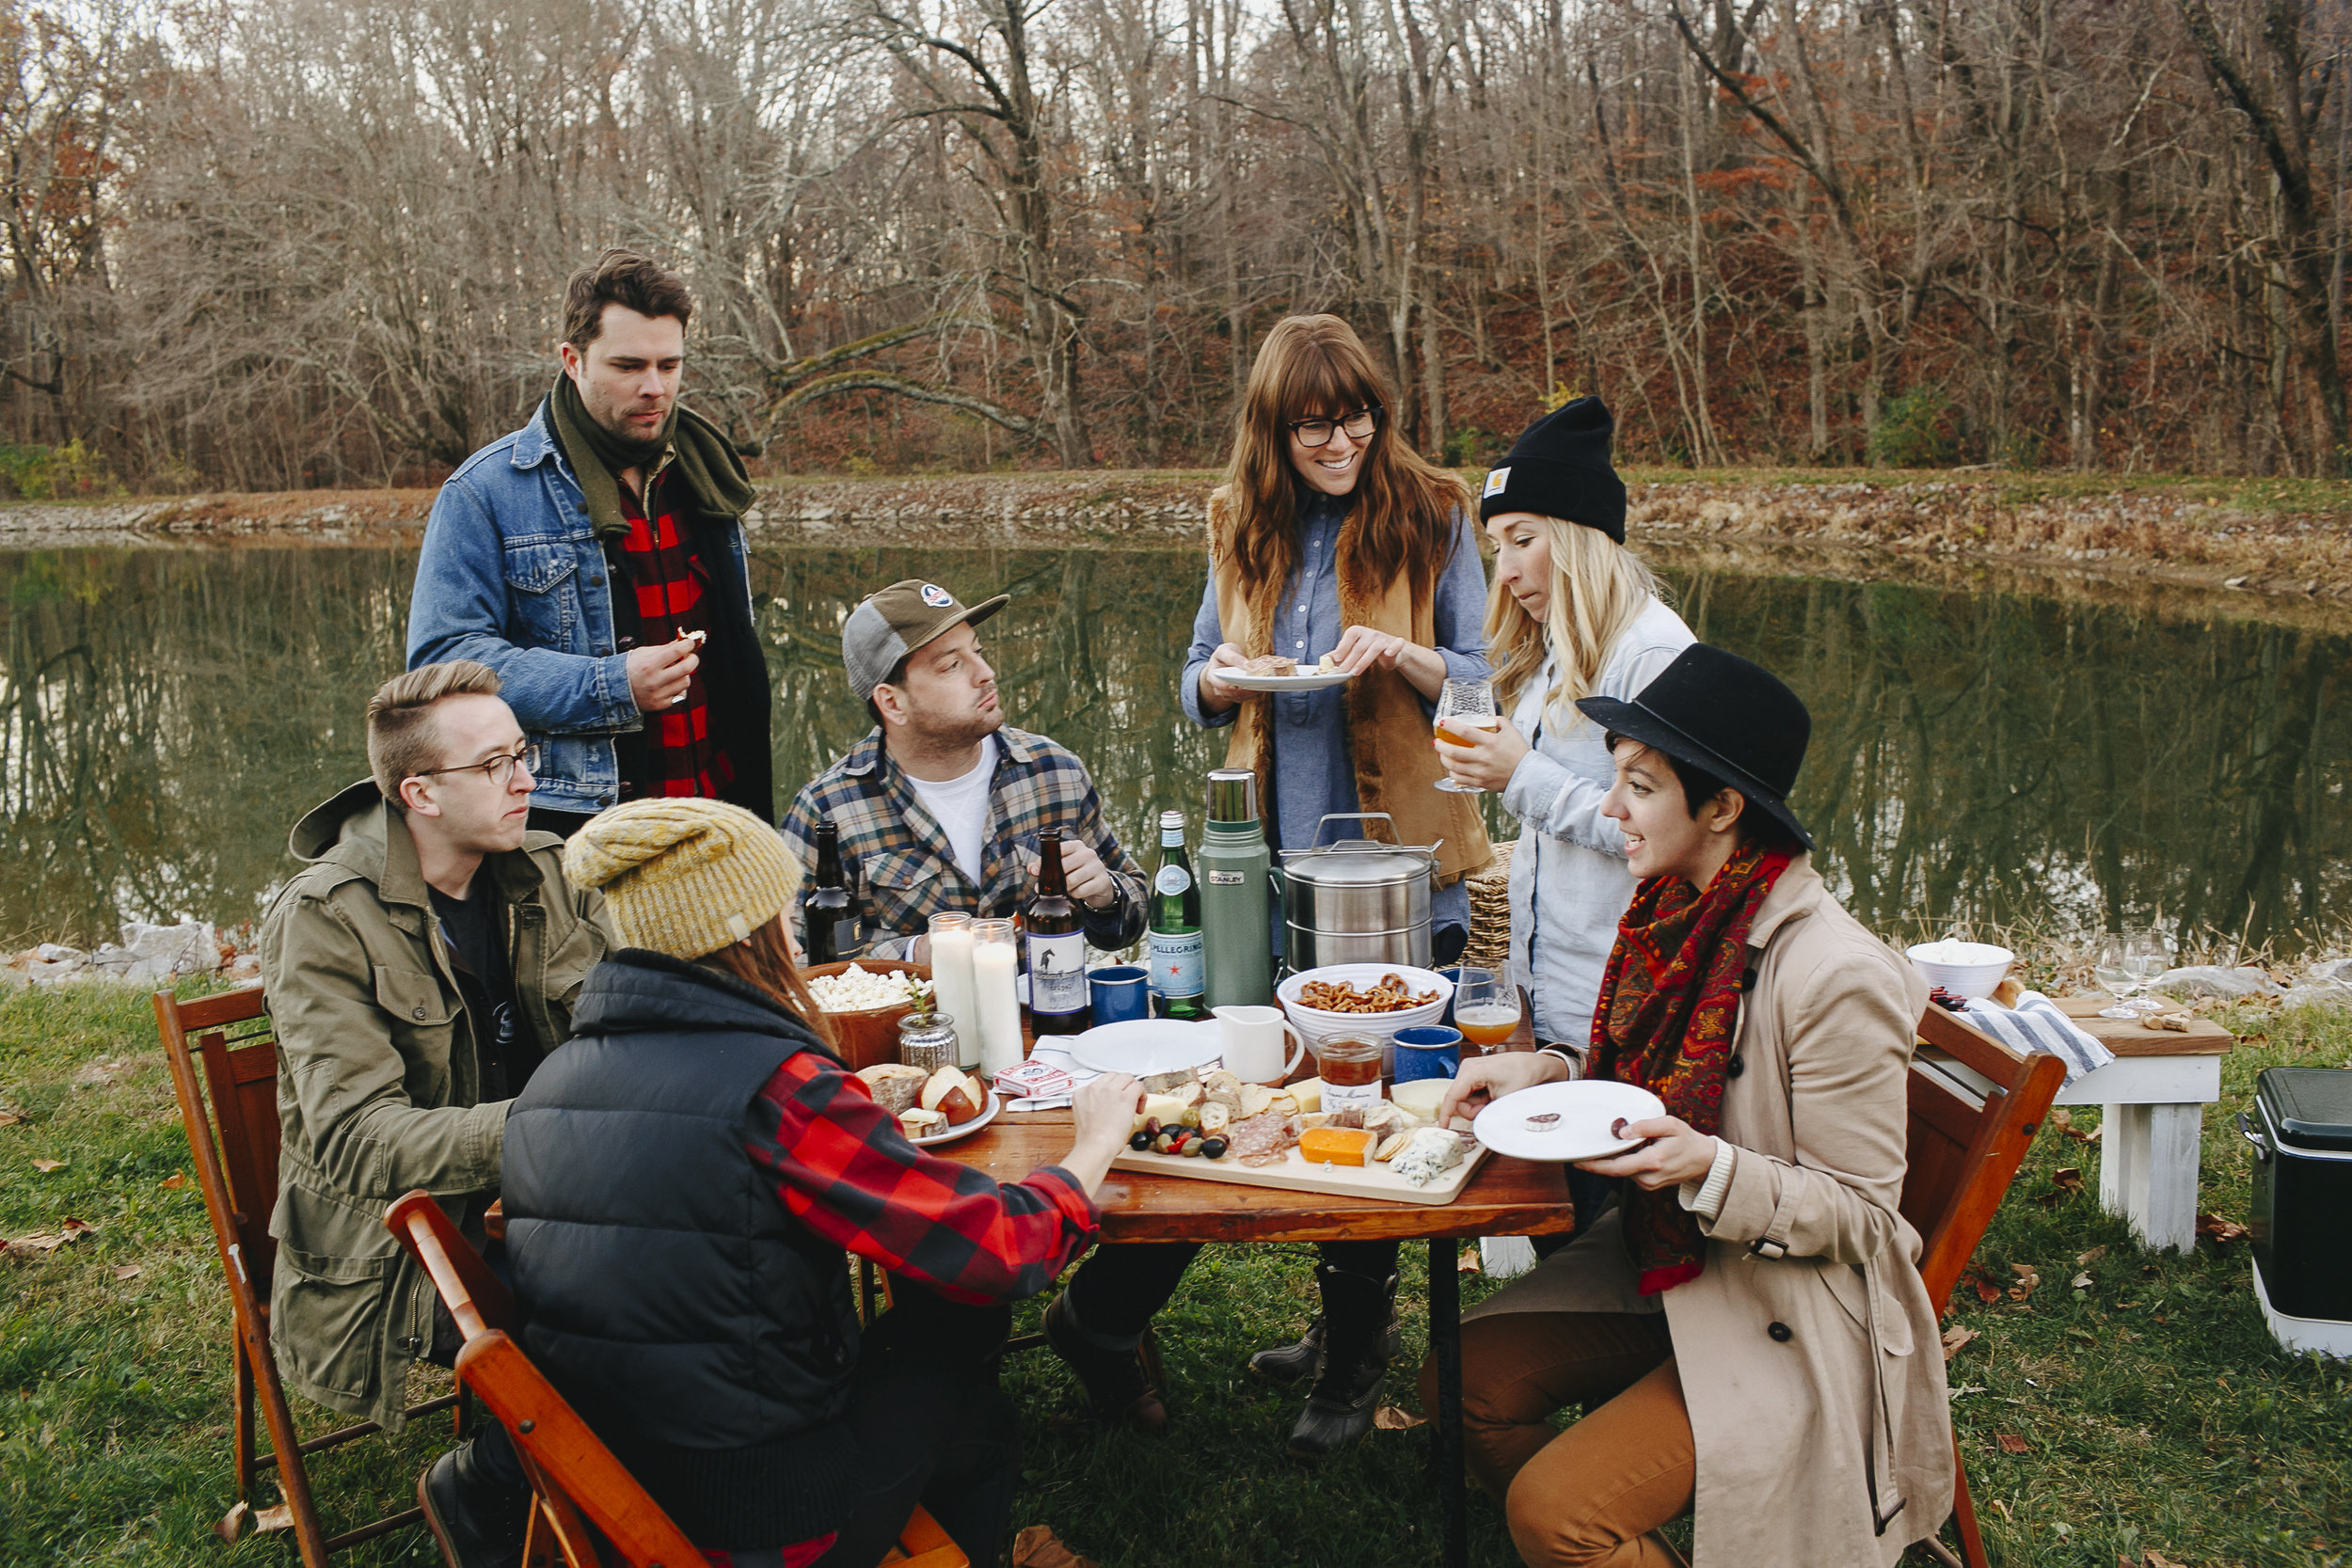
(863, 1000)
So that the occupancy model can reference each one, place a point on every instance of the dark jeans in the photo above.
(490, 1477)
(1115, 1293)
(931, 1427)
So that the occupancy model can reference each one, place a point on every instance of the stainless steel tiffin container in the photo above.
(1356, 900)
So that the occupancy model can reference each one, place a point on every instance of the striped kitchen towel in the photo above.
(2036, 1025)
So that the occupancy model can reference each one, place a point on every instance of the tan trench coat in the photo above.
(1814, 1380)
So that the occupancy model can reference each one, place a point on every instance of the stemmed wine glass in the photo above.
(1486, 1006)
(1465, 708)
(2126, 965)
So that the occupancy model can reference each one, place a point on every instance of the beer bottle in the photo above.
(828, 913)
(1174, 941)
(1056, 947)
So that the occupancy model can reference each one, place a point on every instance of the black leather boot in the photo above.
(1358, 1329)
(475, 1518)
(1286, 1364)
(1123, 1386)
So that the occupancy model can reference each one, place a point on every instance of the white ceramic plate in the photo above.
(988, 1113)
(1586, 1109)
(1311, 681)
(1140, 1047)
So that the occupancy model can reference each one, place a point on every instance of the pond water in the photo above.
(1989, 758)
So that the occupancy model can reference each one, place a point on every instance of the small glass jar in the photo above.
(1350, 1069)
(928, 1041)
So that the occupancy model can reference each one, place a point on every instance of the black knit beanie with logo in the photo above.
(1559, 468)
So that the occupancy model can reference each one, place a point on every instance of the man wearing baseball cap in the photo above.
(940, 807)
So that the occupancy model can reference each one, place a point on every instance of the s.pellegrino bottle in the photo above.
(828, 913)
(1056, 947)
(1178, 976)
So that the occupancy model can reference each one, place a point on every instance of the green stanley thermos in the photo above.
(1235, 908)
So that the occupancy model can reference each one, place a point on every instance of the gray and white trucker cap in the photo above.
(898, 620)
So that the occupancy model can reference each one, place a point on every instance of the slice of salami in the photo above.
(1265, 1138)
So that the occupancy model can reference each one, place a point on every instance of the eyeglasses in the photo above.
(1316, 433)
(501, 767)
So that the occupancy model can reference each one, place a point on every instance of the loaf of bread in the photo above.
(893, 1086)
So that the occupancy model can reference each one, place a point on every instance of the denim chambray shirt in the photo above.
(1313, 774)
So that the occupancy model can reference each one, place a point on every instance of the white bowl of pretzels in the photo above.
(1368, 1001)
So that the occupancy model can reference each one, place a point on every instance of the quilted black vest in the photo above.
(704, 1334)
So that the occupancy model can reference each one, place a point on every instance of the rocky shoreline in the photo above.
(1962, 531)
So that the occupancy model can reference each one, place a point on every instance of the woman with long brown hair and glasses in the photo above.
(1331, 536)
(683, 1181)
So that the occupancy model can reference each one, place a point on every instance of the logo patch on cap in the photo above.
(936, 596)
(1496, 480)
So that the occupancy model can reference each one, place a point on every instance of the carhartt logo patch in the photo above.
(936, 596)
(1496, 480)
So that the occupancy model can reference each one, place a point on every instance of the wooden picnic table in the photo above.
(1505, 1198)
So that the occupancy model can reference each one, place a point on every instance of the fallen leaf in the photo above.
(9, 1118)
(2011, 1443)
(1956, 1339)
(2080, 1282)
(2219, 1231)
(1390, 1419)
(2157, 1559)
(1982, 1282)
(1034, 1547)
(2061, 1118)
(268, 1519)
(2068, 1177)
(2028, 1280)
(231, 1523)
(2003, 1507)
(128, 1271)
(175, 1180)
(2092, 1256)
(1466, 1262)
(2253, 1039)
(46, 1166)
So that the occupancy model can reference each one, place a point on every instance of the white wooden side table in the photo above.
(2153, 1098)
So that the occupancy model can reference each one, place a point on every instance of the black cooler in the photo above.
(2302, 1219)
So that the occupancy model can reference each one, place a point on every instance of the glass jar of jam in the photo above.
(1350, 1067)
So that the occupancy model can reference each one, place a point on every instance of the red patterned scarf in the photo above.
(1669, 1009)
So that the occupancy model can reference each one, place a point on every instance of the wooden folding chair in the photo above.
(1975, 1107)
(575, 1480)
(235, 1144)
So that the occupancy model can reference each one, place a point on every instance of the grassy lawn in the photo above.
(2157, 1418)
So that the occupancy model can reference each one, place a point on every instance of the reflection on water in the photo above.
(166, 714)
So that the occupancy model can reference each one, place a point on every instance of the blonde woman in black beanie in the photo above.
(683, 1181)
(1572, 614)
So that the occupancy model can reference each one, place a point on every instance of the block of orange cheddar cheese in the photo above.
(1335, 1145)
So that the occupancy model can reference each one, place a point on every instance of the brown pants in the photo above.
(1592, 1495)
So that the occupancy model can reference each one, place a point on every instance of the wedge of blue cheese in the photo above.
(1430, 1154)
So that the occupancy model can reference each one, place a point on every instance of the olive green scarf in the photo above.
(699, 450)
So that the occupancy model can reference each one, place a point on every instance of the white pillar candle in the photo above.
(993, 965)
(954, 988)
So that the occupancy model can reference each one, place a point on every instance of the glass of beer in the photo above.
(1464, 708)
(1487, 1007)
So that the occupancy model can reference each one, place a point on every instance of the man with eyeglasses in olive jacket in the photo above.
(417, 969)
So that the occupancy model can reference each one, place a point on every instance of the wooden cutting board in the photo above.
(1297, 1174)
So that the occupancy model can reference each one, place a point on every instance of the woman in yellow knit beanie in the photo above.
(683, 1181)
(698, 879)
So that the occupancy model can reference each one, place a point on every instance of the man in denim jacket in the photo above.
(594, 559)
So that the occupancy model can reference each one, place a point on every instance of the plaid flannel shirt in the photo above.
(844, 1169)
(899, 857)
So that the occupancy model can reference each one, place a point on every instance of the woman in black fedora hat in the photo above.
(1746, 1328)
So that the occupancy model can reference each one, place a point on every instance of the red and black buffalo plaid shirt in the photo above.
(844, 1169)
(658, 567)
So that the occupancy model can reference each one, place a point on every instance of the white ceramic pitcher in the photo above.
(1253, 1043)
